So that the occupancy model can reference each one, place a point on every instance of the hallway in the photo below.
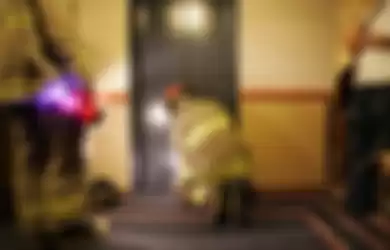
(288, 53)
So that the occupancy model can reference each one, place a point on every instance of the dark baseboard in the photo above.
(293, 194)
(270, 196)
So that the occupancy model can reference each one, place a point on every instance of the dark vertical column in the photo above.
(227, 43)
(137, 93)
(209, 65)
(368, 135)
(7, 212)
(161, 70)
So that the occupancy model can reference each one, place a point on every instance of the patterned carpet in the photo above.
(155, 225)
(282, 224)
(278, 237)
(170, 227)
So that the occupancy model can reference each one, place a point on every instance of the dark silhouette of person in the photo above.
(50, 135)
(367, 105)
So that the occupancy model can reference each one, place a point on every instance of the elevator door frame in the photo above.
(139, 78)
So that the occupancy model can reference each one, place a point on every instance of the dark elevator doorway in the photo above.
(161, 56)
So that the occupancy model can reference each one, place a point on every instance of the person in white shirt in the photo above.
(368, 116)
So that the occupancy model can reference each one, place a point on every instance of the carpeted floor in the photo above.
(151, 224)
(273, 235)
(279, 226)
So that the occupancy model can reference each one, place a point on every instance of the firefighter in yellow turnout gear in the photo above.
(215, 164)
(36, 47)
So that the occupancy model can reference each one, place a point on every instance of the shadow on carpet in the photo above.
(278, 235)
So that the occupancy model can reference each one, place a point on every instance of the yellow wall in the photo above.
(287, 47)
(287, 44)
(109, 147)
(291, 53)
(102, 30)
(288, 139)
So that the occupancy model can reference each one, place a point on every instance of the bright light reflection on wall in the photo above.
(190, 19)
(157, 115)
(114, 78)
(381, 22)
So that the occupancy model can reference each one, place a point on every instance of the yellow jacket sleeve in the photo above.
(63, 27)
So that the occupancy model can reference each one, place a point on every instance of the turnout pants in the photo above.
(7, 163)
(236, 201)
(53, 140)
(51, 135)
(368, 134)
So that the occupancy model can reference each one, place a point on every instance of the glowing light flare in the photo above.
(113, 81)
(200, 195)
(190, 19)
(157, 115)
(57, 94)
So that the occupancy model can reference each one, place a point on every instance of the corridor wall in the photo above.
(288, 56)
(287, 64)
